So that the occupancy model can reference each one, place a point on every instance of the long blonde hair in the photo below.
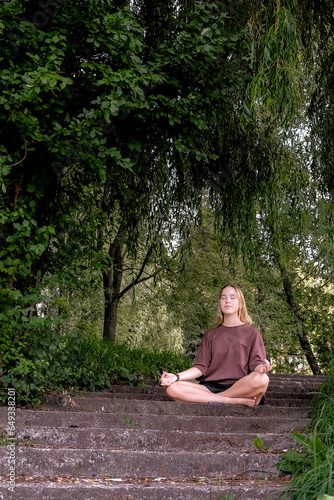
(242, 313)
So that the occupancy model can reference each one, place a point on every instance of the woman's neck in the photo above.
(232, 321)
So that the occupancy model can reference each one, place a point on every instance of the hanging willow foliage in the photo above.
(288, 100)
(146, 105)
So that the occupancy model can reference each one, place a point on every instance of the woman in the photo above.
(230, 360)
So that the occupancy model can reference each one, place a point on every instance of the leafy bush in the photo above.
(312, 467)
(52, 362)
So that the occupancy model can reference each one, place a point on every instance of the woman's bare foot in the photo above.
(238, 401)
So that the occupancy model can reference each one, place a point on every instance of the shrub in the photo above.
(52, 362)
(312, 466)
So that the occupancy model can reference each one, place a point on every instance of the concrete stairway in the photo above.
(133, 443)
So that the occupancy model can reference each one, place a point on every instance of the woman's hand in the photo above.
(190, 374)
(264, 368)
(168, 379)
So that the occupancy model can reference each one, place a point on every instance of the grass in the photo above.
(312, 465)
(128, 421)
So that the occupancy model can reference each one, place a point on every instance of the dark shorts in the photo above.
(215, 387)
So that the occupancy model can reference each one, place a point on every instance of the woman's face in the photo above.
(229, 302)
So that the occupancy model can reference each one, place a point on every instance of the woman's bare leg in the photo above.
(246, 391)
(253, 385)
(196, 393)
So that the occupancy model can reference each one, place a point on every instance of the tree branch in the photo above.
(25, 156)
(326, 283)
(138, 278)
(305, 277)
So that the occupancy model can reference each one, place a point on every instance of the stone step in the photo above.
(294, 383)
(158, 489)
(297, 376)
(107, 404)
(289, 395)
(275, 384)
(300, 399)
(289, 402)
(150, 440)
(227, 423)
(135, 443)
(138, 464)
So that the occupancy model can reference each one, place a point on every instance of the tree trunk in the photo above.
(110, 316)
(302, 336)
(112, 281)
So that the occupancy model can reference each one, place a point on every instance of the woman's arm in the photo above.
(257, 356)
(190, 374)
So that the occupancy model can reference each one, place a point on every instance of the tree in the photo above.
(137, 109)
(89, 104)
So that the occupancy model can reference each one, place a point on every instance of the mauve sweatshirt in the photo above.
(228, 353)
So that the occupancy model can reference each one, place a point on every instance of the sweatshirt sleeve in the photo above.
(204, 354)
(258, 353)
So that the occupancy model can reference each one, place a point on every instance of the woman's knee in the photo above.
(172, 390)
(260, 380)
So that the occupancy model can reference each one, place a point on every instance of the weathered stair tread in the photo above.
(107, 404)
(150, 440)
(158, 489)
(297, 376)
(135, 464)
(246, 423)
(277, 399)
(289, 402)
(282, 383)
(296, 388)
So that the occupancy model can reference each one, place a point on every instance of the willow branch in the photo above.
(25, 156)
(139, 280)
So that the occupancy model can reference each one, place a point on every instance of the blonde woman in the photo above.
(230, 360)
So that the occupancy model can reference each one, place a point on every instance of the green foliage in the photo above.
(259, 443)
(144, 363)
(116, 119)
(323, 407)
(128, 422)
(277, 56)
(50, 361)
(20, 271)
(312, 467)
(6, 440)
(230, 496)
(86, 94)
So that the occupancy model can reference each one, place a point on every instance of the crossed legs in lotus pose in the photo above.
(246, 391)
